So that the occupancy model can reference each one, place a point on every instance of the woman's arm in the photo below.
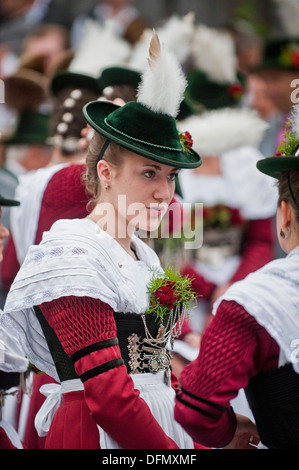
(233, 349)
(87, 331)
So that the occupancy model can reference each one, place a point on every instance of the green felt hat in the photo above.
(112, 76)
(275, 166)
(8, 202)
(65, 79)
(136, 127)
(203, 93)
(32, 127)
(282, 54)
(287, 156)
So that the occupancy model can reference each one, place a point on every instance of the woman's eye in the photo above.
(149, 174)
(172, 176)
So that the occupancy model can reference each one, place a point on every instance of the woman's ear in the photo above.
(104, 172)
(287, 214)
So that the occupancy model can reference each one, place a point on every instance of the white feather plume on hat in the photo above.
(213, 52)
(176, 33)
(294, 119)
(216, 132)
(288, 12)
(163, 82)
(99, 48)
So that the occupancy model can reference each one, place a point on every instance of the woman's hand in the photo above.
(246, 435)
(193, 339)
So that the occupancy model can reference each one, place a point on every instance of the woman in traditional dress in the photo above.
(13, 363)
(85, 285)
(252, 341)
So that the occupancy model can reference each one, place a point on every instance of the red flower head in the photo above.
(186, 141)
(236, 91)
(295, 58)
(166, 295)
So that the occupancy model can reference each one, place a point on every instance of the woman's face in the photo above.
(141, 191)
(4, 233)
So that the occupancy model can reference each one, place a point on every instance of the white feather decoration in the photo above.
(176, 34)
(213, 52)
(163, 82)
(288, 12)
(138, 58)
(294, 119)
(216, 132)
(99, 48)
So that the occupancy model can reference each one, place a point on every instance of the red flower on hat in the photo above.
(295, 58)
(290, 56)
(186, 141)
(236, 90)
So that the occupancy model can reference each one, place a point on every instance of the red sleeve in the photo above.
(87, 332)
(234, 348)
(10, 264)
(5, 442)
(258, 248)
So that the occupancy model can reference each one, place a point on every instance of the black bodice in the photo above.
(273, 397)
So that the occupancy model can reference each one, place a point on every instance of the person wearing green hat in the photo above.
(253, 340)
(27, 148)
(279, 69)
(95, 280)
(213, 79)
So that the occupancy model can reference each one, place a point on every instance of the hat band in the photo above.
(103, 150)
(141, 141)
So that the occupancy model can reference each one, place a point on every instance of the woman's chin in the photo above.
(150, 226)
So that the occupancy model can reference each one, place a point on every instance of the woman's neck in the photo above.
(113, 224)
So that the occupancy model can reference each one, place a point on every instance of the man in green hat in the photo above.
(27, 148)
(279, 69)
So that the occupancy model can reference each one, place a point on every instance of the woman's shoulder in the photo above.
(69, 227)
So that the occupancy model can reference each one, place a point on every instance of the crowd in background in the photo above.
(235, 111)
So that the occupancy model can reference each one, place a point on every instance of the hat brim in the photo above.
(275, 166)
(8, 202)
(76, 80)
(96, 112)
(112, 76)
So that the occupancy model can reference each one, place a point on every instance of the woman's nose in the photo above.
(4, 232)
(163, 191)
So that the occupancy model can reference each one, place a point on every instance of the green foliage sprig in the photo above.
(167, 290)
(289, 143)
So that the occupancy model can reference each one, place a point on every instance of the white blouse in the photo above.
(76, 257)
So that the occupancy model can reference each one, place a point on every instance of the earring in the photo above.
(106, 186)
(282, 234)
